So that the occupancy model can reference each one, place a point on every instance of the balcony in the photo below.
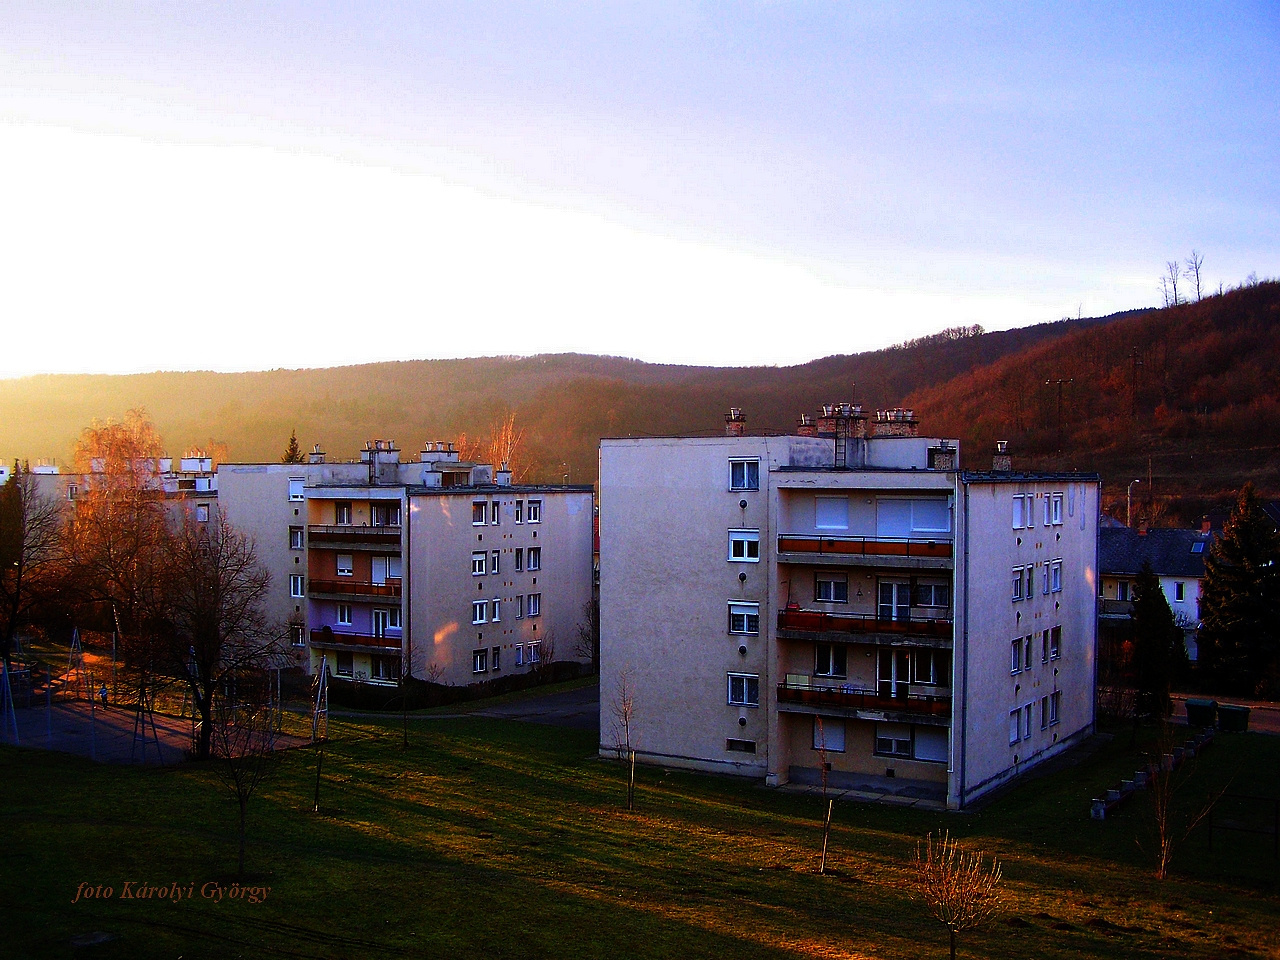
(806, 624)
(348, 535)
(326, 637)
(847, 697)
(1114, 609)
(353, 588)
(878, 551)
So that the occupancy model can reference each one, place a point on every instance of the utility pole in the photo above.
(1060, 383)
(1135, 363)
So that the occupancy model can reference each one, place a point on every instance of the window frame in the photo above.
(495, 561)
(350, 664)
(747, 610)
(1179, 591)
(344, 564)
(1056, 578)
(343, 509)
(1056, 512)
(296, 538)
(1017, 584)
(480, 660)
(533, 560)
(533, 605)
(519, 560)
(1015, 656)
(495, 610)
(479, 513)
(297, 585)
(1055, 643)
(519, 511)
(747, 537)
(533, 511)
(479, 612)
(746, 683)
(479, 562)
(748, 482)
(345, 615)
(835, 580)
(827, 666)
(297, 489)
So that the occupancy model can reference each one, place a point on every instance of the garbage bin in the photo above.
(1201, 712)
(1233, 719)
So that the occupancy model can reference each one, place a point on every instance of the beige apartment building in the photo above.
(845, 592)
(437, 565)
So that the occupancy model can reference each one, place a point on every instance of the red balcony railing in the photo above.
(355, 587)
(817, 621)
(854, 698)
(864, 546)
(326, 637)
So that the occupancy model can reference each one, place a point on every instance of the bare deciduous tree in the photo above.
(213, 610)
(622, 707)
(961, 893)
(244, 726)
(1170, 821)
(1169, 283)
(31, 526)
(587, 640)
(1193, 265)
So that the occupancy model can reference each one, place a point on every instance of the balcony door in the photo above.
(893, 674)
(380, 570)
(381, 621)
(895, 600)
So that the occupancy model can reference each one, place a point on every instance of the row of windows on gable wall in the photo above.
(483, 562)
(1021, 649)
(1020, 717)
(489, 513)
(1024, 510)
(490, 611)
(1024, 581)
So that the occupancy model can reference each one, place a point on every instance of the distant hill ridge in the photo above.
(1205, 397)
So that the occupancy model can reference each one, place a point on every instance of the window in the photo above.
(342, 513)
(1179, 591)
(297, 585)
(1056, 577)
(1029, 575)
(495, 610)
(344, 664)
(478, 560)
(1197, 547)
(922, 519)
(519, 511)
(1026, 653)
(519, 654)
(202, 513)
(739, 746)
(832, 660)
(933, 595)
(520, 607)
(344, 614)
(73, 491)
(831, 588)
(1055, 511)
(478, 514)
(535, 559)
(931, 743)
(1055, 707)
(1044, 646)
(346, 565)
(1045, 579)
(1026, 722)
(1055, 643)
(297, 634)
(1020, 512)
(384, 515)
(393, 618)
(495, 518)
(744, 474)
(831, 513)
(744, 689)
(393, 568)
(495, 561)
(295, 538)
(1015, 656)
(519, 559)
(533, 605)
(744, 546)
(1015, 725)
(1045, 509)
(480, 661)
(295, 488)
(1122, 590)
(495, 658)
(828, 734)
(385, 669)
(535, 511)
(744, 617)
(1044, 713)
(893, 739)
(479, 611)
(533, 651)
(1017, 583)
(931, 667)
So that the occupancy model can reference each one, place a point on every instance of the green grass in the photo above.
(499, 839)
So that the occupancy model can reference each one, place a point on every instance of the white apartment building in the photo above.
(437, 565)
(932, 630)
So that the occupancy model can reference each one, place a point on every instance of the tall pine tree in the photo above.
(1240, 603)
(1158, 648)
(292, 453)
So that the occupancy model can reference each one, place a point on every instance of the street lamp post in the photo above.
(1128, 504)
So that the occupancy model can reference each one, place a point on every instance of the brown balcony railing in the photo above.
(1114, 608)
(818, 621)
(864, 546)
(355, 587)
(854, 698)
(326, 637)
(350, 530)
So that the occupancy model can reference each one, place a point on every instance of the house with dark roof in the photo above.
(1177, 558)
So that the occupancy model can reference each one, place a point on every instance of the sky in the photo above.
(242, 186)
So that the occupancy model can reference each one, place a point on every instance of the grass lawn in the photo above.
(498, 839)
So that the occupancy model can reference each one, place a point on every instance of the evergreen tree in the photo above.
(1240, 602)
(1158, 648)
(292, 453)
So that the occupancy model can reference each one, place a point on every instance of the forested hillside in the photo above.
(1195, 389)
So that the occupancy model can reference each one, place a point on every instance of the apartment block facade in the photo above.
(439, 566)
(847, 593)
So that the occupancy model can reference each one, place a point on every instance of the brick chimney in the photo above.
(1002, 462)
(735, 422)
(897, 422)
(842, 420)
(805, 427)
(1205, 525)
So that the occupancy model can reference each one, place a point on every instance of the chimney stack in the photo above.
(897, 422)
(1205, 525)
(735, 422)
(316, 455)
(1002, 462)
(805, 427)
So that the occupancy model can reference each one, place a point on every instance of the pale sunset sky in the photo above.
(239, 186)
